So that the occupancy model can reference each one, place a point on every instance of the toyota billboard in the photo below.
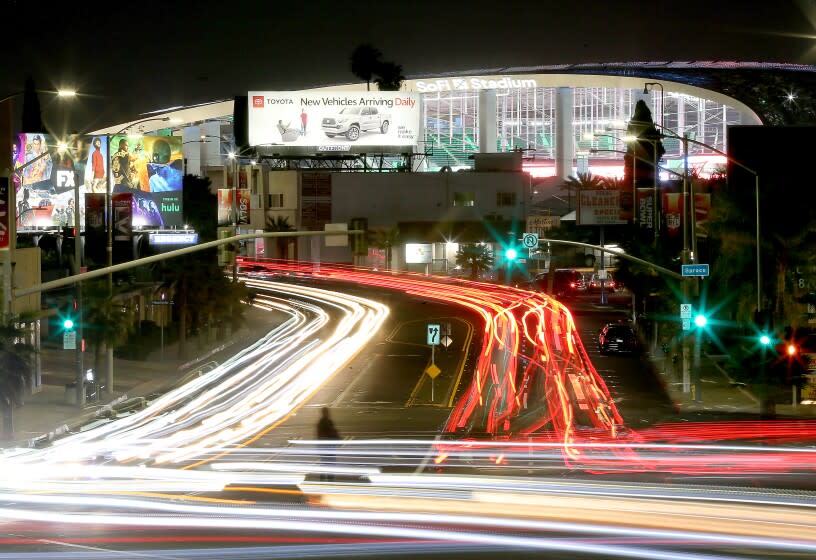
(333, 121)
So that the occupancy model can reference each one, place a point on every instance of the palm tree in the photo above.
(16, 363)
(389, 76)
(478, 258)
(581, 182)
(279, 223)
(387, 240)
(364, 62)
(105, 323)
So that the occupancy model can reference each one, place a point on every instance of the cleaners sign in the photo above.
(333, 121)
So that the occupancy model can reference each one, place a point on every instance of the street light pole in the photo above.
(109, 242)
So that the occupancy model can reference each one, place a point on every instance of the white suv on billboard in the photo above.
(351, 121)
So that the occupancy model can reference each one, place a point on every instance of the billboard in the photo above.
(333, 121)
(45, 177)
(418, 253)
(599, 207)
(151, 168)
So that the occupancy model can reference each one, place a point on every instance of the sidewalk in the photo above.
(719, 394)
(48, 413)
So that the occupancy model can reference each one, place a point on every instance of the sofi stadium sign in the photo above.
(476, 83)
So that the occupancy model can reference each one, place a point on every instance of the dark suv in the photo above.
(566, 282)
(618, 338)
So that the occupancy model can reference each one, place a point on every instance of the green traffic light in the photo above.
(765, 340)
(68, 324)
(700, 320)
(510, 254)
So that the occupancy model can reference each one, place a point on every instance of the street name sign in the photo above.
(694, 269)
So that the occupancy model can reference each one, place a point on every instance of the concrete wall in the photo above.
(388, 198)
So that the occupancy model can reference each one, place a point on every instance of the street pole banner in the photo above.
(4, 213)
(645, 204)
(122, 216)
(242, 204)
(224, 214)
(673, 213)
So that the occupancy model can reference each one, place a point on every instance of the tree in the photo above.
(32, 115)
(16, 364)
(105, 323)
(645, 151)
(365, 60)
(389, 76)
(279, 223)
(477, 258)
(200, 206)
(387, 240)
(581, 182)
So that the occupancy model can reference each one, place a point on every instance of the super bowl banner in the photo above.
(673, 213)
(333, 120)
(225, 206)
(46, 176)
(151, 169)
(123, 211)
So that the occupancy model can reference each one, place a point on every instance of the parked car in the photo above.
(618, 338)
(596, 283)
(352, 121)
(566, 282)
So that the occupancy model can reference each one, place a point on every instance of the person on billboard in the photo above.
(25, 214)
(287, 134)
(123, 168)
(303, 119)
(97, 167)
(164, 175)
(37, 169)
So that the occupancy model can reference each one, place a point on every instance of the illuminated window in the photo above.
(464, 199)
(505, 199)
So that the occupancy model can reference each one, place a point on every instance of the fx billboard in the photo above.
(46, 176)
(333, 121)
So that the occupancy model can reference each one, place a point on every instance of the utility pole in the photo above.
(685, 260)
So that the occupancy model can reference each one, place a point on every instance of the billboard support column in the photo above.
(487, 121)
(564, 141)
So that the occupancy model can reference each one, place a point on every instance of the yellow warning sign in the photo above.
(433, 371)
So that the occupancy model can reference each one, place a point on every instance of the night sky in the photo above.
(133, 57)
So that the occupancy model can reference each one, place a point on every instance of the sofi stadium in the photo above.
(562, 117)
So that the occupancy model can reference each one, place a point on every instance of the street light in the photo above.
(11, 211)
(652, 85)
(686, 140)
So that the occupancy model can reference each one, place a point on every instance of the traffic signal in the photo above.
(68, 323)
(700, 320)
(510, 254)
